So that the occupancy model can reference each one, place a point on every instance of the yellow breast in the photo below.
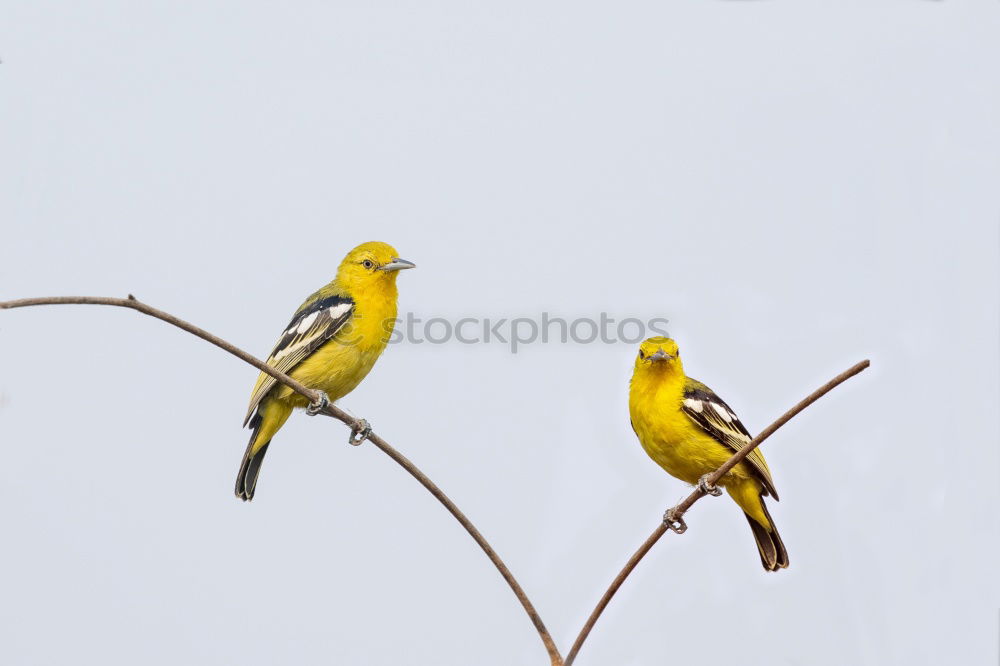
(337, 367)
(668, 436)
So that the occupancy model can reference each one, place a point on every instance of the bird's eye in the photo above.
(641, 355)
(368, 263)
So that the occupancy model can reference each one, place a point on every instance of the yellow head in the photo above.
(371, 265)
(658, 354)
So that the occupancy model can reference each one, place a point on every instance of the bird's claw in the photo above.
(319, 405)
(360, 433)
(673, 522)
(708, 488)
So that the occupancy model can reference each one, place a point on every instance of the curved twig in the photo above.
(332, 411)
(697, 494)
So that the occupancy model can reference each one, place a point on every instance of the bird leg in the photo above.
(319, 405)
(708, 488)
(673, 522)
(360, 433)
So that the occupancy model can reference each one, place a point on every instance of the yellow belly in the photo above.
(339, 365)
(677, 445)
(691, 457)
(335, 368)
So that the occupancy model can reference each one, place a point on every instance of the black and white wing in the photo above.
(716, 418)
(312, 325)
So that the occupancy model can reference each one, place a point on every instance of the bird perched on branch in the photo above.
(690, 432)
(330, 345)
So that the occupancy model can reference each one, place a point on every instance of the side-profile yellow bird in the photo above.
(330, 345)
(690, 432)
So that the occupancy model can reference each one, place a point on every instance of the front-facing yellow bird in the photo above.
(330, 345)
(690, 432)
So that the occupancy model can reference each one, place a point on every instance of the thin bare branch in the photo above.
(697, 494)
(332, 411)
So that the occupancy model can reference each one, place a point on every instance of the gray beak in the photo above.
(659, 355)
(397, 264)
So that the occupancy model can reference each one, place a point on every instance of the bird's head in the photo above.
(371, 265)
(658, 353)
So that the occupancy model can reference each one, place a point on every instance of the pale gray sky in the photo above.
(794, 185)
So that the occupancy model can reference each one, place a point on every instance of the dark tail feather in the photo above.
(246, 480)
(772, 550)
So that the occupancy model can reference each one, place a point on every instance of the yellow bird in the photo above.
(330, 345)
(690, 432)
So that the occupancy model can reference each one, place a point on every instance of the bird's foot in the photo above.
(708, 488)
(673, 522)
(360, 433)
(319, 405)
